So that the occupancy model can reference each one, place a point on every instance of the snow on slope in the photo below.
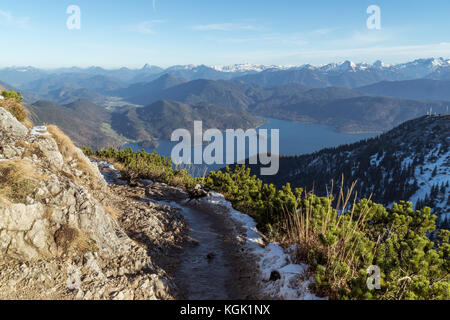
(420, 67)
(426, 180)
(246, 67)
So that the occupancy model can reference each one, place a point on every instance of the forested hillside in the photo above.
(158, 120)
(84, 121)
(410, 162)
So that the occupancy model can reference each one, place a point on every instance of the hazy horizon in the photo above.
(137, 67)
(175, 32)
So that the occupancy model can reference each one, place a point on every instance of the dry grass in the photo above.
(22, 144)
(69, 150)
(30, 149)
(178, 181)
(18, 179)
(69, 238)
(65, 144)
(302, 229)
(17, 110)
(113, 212)
(193, 170)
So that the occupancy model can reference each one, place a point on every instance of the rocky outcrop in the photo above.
(59, 240)
(11, 127)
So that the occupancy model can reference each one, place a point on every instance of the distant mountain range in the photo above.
(61, 85)
(425, 89)
(345, 109)
(172, 103)
(351, 75)
(348, 96)
(410, 162)
(5, 86)
(144, 91)
(347, 73)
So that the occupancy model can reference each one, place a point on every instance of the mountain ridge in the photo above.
(410, 162)
(420, 68)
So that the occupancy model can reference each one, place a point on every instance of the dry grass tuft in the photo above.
(18, 179)
(22, 144)
(113, 212)
(69, 238)
(178, 181)
(65, 144)
(17, 110)
(303, 228)
(31, 149)
(70, 151)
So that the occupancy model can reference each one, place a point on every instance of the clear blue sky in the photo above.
(130, 33)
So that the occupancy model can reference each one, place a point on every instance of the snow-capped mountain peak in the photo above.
(380, 64)
(342, 66)
(247, 67)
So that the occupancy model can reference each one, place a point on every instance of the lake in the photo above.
(296, 138)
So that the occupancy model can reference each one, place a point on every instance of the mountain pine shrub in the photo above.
(339, 238)
(12, 103)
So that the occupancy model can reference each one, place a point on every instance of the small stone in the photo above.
(275, 276)
(54, 188)
(88, 295)
(29, 200)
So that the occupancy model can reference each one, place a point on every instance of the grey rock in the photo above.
(10, 126)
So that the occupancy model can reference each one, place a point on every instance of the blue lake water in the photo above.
(296, 138)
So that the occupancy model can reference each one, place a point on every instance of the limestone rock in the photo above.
(10, 126)
(62, 243)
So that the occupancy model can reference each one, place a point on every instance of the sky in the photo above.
(176, 32)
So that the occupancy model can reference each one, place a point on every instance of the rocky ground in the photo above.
(67, 234)
(224, 271)
(71, 236)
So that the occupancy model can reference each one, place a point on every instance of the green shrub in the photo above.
(87, 151)
(146, 166)
(13, 104)
(339, 238)
(17, 96)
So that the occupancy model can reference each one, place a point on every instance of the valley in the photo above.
(296, 138)
(145, 105)
(140, 108)
(223, 157)
(378, 133)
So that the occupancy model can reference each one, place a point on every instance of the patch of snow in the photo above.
(271, 257)
(106, 165)
(341, 67)
(182, 67)
(39, 131)
(246, 67)
(407, 162)
(146, 181)
(426, 181)
(109, 172)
